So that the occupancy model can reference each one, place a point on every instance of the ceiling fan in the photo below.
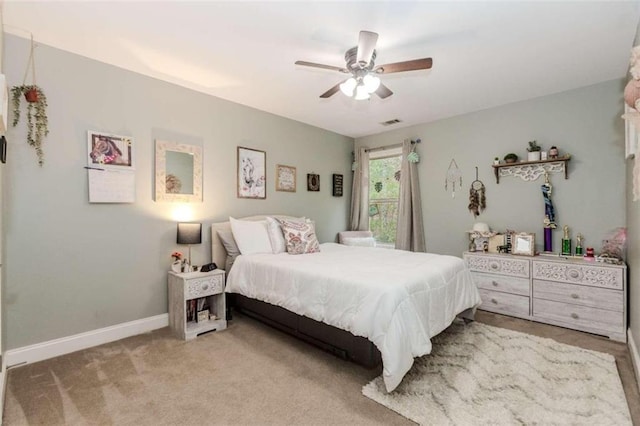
(360, 64)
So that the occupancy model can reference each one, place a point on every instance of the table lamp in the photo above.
(189, 233)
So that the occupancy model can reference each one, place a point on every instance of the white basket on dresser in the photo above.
(571, 293)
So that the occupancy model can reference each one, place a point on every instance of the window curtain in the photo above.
(359, 217)
(410, 231)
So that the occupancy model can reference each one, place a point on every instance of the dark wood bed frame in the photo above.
(339, 342)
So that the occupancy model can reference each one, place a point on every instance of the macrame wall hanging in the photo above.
(477, 198)
(453, 176)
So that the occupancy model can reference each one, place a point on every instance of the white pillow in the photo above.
(276, 237)
(251, 236)
(359, 241)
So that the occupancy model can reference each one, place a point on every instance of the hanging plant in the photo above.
(378, 186)
(37, 121)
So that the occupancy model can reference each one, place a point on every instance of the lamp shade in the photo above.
(189, 233)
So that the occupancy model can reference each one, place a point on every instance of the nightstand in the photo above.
(190, 294)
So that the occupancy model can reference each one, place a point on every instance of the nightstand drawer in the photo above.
(580, 317)
(205, 286)
(498, 265)
(579, 273)
(504, 303)
(501, 283)
(579, 295)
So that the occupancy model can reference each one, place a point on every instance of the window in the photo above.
(384, 192)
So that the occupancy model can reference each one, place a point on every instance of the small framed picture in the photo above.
(203, 316)
(107, 150)
(313, 182)
(495, 242)
(337, 185)
(285, 178)
(251, 173)
(523, 243)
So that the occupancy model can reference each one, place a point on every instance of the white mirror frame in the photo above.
(161, 172)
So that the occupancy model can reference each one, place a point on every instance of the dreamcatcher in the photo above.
(453, 175)
(477, 198)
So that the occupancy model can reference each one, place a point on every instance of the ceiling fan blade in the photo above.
(383, 91)
(416, 64)
(326, 67)
(332, 91)
(366, 46)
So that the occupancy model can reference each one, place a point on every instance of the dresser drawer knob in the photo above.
(205, 287)
(573, 274)
(575, 296)
(574, 315)
(494, 266)
(494, 301)
(495, 284)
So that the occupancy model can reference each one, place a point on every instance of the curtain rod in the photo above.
(382, 148)
(397, 145)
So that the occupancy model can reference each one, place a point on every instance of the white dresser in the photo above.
(571, 293)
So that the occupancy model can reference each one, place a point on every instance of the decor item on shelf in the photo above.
(553, 153)
(549, 221)
(176, 266)
(495, 242)
(566, 241)
(590, 252)
(510, 158)
(477, 197)
(479, 235)
(543, 155)
(533, 151)
(37, 120)
(189, 233)
(453, 175)
(579, 239)
(496, 160)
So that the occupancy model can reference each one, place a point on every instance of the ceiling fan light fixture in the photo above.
(348, 86)
(361, 93)
(371, 83)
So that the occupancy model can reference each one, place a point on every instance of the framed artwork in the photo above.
(630, 135)
(313, 182)
(285, 178)
(251, 173)
(107, 150)
(495, 242)
(523, 243)
(337, 185)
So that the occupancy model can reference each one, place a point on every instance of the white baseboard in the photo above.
(635, 356)
(65, 345)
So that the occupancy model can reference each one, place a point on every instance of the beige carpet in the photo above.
(479, 374)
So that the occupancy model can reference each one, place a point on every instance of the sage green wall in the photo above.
(584, 122)
(72, 266)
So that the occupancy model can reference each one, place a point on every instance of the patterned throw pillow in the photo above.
(299, 236)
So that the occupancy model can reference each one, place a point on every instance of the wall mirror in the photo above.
(178, 172)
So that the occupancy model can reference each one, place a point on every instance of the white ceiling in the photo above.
(484, 53)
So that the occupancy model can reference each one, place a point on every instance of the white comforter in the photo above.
(396, 299)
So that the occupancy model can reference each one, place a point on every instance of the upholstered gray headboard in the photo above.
(218, 253)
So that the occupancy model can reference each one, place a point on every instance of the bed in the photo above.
(366, 304)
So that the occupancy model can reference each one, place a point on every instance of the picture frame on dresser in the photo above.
(523, 243)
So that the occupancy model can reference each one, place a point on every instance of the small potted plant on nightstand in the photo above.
(496, 161)
(533, 153)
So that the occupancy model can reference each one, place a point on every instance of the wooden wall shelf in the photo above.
(531, 170)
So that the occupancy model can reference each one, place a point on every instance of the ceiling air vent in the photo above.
(391, 122)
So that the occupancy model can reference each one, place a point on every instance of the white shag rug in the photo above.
(479, 374)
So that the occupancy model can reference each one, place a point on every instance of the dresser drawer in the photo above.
(577, 316)
(579, 295)
(498, 265)
(502, 283)
(568, 272)
(205, 286)
(504, 303)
